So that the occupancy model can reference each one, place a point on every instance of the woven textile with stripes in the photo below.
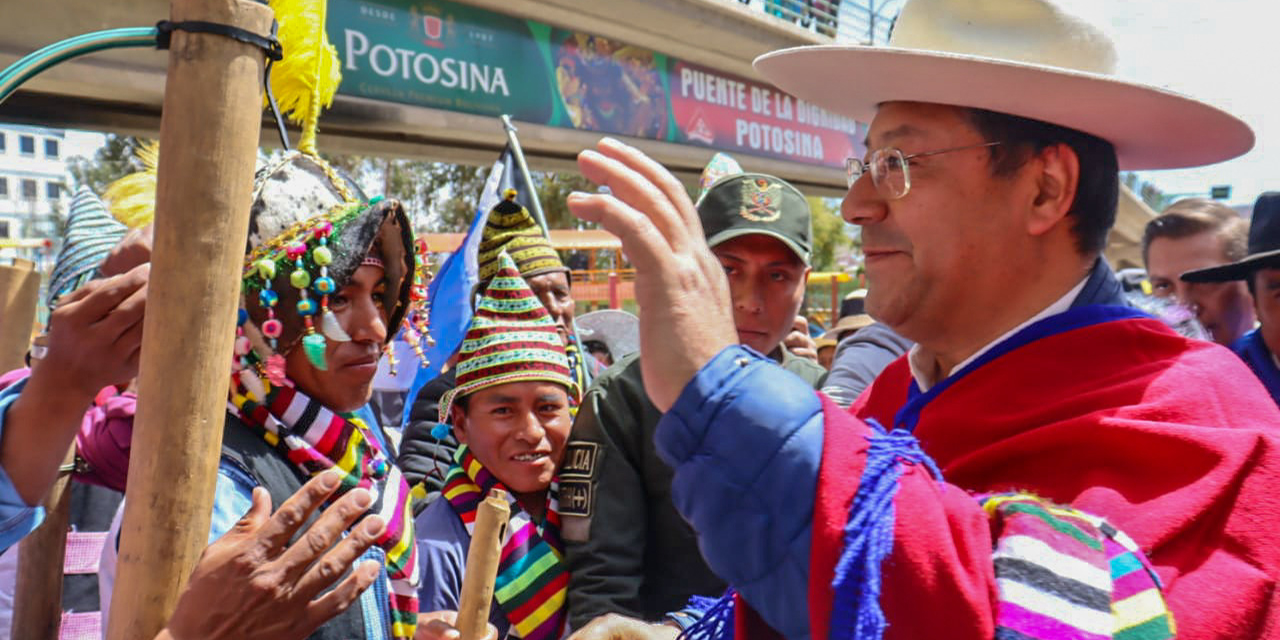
(532, 584)
(1065, 575)
(315, 440)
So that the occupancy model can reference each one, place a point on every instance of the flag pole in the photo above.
(534, 206)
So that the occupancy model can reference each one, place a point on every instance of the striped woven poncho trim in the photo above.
(316, 439)
(532, 584)
(1065, 575)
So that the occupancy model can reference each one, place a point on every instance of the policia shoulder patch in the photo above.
(575, 478)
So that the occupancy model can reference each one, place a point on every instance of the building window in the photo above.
(51, 149)
(53, 190)
(4, 187)
(27, 145)
(28, 189)
(4, 229)
(4, 138)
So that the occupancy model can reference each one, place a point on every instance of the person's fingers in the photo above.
(103, 296)
(642, 243)
(801, 324)
(323, 533)
(130, 344)
(125, 316)
(656, 174)
(257, 515)
(275, 535)
(331, 604)
(638, 192)
(435, 629)
(328, 569)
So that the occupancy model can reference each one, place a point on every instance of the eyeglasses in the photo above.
(889, 168)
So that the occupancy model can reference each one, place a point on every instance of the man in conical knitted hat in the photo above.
(511, 229)
(984, 197)
(510, 412)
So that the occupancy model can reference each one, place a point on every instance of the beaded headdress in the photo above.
(310, 229)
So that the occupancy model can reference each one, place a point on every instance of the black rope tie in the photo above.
(269, 44)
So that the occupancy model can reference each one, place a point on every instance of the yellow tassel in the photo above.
(305, 81)
(132, 199)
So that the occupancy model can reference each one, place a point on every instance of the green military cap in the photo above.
(750, 203)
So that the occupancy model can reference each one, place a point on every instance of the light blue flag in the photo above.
(449, 295)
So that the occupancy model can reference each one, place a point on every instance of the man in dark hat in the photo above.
(1260, 271)
(629, 551)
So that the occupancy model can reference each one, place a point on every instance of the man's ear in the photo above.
(1057, 178)
(458, 416)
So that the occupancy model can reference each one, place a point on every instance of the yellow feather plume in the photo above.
(305, 81)
(132, 199)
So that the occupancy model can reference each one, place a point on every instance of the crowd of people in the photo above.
(996, 439)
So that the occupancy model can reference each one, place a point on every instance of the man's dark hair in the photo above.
(1098, 192)
(1193, 216)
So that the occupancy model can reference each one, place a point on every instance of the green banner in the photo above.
(445, 55)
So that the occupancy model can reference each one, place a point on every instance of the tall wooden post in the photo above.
(37, 599)
(19, 295)
(208, 144)
(38, 591)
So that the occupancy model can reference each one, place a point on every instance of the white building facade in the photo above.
(33, 181)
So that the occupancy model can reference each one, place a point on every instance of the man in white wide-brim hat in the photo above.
(1046, 463)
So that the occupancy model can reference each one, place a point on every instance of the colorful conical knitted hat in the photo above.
(91, 234)
(511, 339)
(510, 228)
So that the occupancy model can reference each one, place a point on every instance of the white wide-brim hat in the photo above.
(1029, 58)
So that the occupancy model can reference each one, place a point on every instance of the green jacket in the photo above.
(628, 550)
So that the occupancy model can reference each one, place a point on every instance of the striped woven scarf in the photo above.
(316, 439)
(1066, 575)
(532, 580)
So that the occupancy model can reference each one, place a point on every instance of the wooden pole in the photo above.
(208, 143)
(37, 610)
(38, 591)
(19, 294)
(482, 566)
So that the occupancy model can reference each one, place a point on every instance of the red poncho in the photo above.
(1171, 440)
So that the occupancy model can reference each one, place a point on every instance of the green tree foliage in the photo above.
(113, 161)
(553, 192)
(442, 197)
(830, 238)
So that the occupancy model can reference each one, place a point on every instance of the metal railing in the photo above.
(844, 21)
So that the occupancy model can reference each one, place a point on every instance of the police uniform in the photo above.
(628, 550)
